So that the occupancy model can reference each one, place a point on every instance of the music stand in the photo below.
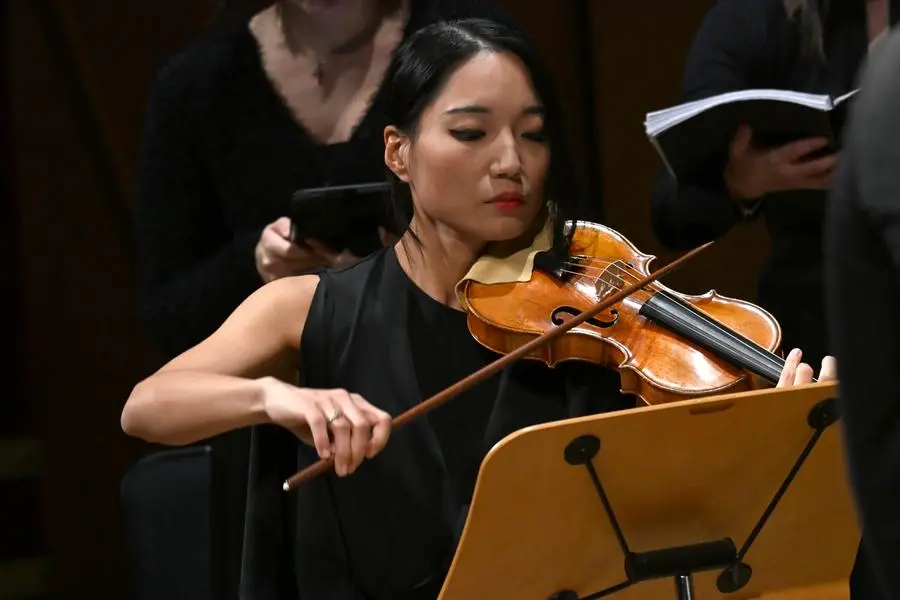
(729, 496)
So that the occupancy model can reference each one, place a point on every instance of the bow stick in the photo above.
(464, 384)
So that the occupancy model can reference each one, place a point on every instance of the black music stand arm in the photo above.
(684, 587)
(682, 562)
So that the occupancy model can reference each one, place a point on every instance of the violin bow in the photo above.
(464, 384)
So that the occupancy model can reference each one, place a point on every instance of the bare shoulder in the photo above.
(261, 337)
(282, 304)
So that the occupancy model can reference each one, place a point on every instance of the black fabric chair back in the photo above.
(166, 500)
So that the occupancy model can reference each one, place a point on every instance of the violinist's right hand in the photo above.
(335, 422)
(753, 172)
(277, 256)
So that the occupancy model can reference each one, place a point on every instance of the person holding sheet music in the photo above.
(270, 100)
(862, 266)
(800, 45)
(808, 46)
(477, 158)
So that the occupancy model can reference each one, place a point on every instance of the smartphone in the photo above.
(343, 217)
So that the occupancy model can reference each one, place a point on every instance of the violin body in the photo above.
(667, 346)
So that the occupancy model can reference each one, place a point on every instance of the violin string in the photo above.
(722, 329)
(590, 266)
(621, 281)
(583, 269)
(603, 270)
(612, 287)
(734, 337)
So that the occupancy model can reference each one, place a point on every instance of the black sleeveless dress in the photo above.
(389, 531)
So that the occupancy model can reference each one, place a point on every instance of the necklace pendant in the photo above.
(319, 72)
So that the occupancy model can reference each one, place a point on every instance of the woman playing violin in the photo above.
(477, 158)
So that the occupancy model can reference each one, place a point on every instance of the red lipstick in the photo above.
(508, 200)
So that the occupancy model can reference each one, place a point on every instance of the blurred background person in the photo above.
(862, 267)
(813, 46)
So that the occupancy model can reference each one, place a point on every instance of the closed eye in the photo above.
(467, 135)
(471, 135)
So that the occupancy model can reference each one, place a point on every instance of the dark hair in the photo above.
(421, 66)
(810, 16)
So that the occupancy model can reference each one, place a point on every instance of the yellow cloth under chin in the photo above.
(506, 264)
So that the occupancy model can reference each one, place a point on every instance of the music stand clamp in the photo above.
(679, 562)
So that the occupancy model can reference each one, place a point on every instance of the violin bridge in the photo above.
(612, 278)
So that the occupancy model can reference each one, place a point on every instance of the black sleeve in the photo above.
(862, 265)
(730, 50)
(193, 273)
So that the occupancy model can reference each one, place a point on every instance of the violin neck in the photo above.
(683, 319)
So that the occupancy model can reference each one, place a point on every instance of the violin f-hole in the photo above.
(558, 317)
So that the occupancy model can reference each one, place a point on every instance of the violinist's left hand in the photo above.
(799, 373)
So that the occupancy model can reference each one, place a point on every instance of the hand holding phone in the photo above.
(277, 256)
(351, 218)
(337, 259)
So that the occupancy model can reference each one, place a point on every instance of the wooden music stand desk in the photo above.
(728, 497)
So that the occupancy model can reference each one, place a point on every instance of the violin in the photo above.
(601, 304)
(667, 346)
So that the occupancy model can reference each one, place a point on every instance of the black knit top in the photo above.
(220, 158)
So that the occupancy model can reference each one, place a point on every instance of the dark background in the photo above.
(77, 75)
